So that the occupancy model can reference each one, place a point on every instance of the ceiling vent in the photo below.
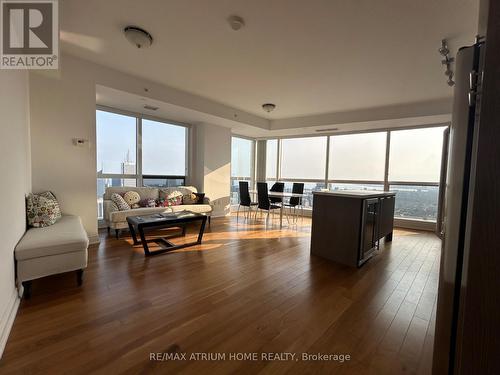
(327, 130)
(150, 107)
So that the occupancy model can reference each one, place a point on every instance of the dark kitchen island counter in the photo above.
(347, 225)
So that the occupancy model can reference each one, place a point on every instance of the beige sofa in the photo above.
(61, 247)
(117, 220)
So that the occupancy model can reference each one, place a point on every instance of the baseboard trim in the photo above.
(415, 224)
(94, 240)
(8, 318)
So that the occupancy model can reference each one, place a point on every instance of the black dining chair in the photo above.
(278, 187)
(245, 199)
(296, 202)
(264, 202)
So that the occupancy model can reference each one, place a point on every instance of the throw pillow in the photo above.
(169, 197)
(41, 211)
(200, 198)
(132, 198)
(189, 198)
(57, 208)
(175, 201)
(173, 194)
(120, 202)
(148, 202)
(164, 192)
(174, 198)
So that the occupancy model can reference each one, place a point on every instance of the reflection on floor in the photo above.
(249, 288)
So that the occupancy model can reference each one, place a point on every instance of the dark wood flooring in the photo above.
(246, 289)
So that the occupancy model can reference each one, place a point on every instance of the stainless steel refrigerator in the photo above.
(458, 207)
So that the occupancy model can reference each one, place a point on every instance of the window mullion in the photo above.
(139, 151)
(387, 154)
(327, 161)
(278, 159)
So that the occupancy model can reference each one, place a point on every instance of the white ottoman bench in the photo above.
(61, 247)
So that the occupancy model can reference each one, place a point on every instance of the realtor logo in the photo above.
(29, 34)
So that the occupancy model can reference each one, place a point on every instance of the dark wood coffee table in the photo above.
(161, 221)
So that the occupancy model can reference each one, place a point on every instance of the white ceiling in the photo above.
(307, 57)
(125, 101)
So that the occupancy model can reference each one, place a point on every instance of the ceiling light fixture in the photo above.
(150, 107)
(236, 22)
(138, 37)
(268, 107)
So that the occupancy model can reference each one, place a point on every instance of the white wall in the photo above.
(15, 172)
(212, 164)
(63, 108)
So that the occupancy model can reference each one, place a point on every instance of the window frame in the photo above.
(300, 179)
(360, 181)
(411, 182)
(386, 183)
(253, 159)
(138, 176)
(187, 130)
(252, 156)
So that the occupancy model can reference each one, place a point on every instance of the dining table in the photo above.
(282, 195)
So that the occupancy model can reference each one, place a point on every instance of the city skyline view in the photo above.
(163, 145)
(164, 153)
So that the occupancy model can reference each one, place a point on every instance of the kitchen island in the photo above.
(348, 225)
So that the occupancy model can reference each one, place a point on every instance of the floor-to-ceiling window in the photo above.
(116, 145)
(164, 154)
(357, 161)
(136, 151)
(414, 171)
(405, 161)
(242, 164)
(272, 160)
(303, 160)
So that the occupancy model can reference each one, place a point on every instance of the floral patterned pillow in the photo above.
(42, 211)
(173, 199)
(57, 209)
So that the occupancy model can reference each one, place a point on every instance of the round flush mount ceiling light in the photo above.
(236, 22)
(138, 37)
(268, 107)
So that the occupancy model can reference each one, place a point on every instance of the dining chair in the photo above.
(278, 187)
(245, 199)
(264, 202)
(296, 202)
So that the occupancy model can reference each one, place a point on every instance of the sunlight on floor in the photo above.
(235, 228)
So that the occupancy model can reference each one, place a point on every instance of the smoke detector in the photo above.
(138, 37)
(236, 22)
(268, 107)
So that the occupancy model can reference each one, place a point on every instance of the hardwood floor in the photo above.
(246, 289)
